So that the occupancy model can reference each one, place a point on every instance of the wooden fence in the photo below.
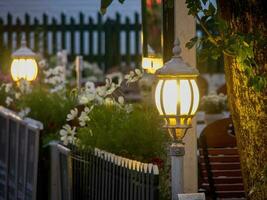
(108, 43)
(19, 147)
(101, 175)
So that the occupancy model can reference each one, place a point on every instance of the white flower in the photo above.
(83, 118)
(83, 100)
(121, 100)
(128, 108)
(72, 115)
(67, 134)
(17, 95)
(24, 86)
(86, 98)
(89, 86)
(24, 112)
(115, 75)
(42, 63)
(8, 101)
(101, 91)
(58, 88)
(138, 72)
(109, 101)
(133, 76)
(8, 87)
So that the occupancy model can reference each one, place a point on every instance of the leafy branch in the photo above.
(220, 38)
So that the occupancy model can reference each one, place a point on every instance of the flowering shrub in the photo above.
(213, 103)
(46, 100)
(91, 97)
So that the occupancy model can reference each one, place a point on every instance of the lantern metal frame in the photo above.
(23, 51)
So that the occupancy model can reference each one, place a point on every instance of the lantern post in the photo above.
(177, 99)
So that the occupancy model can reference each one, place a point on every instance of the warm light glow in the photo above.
(24, 69)
(151, 64)
(157, 96)
(196, 96)
(185, 97)
(177, 97)
(170, 97)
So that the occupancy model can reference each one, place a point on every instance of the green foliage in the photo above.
(136, 135)
(49, 108)
(220, 39)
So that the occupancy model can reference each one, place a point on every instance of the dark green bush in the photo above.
(137, 135)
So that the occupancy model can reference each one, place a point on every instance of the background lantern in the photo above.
(24, 65)
(177, 94)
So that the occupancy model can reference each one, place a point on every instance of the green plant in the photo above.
(136, 135)
(49, 108)
(221, 38)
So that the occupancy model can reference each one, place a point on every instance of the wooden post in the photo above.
(185, 29)
(79, 66)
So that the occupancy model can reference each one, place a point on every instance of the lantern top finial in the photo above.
(23, 51)
(177, 67)
(176, 49)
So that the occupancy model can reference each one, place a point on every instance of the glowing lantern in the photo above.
(151, 64)
(177, 94)
(24, 65)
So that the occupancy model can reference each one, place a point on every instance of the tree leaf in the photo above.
(192, 42)
(104, 5)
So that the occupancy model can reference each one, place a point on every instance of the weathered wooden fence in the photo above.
(108, 43)
(99, 175)
(19, 147)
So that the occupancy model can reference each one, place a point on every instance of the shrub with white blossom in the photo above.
(214, 103)
(91, 96)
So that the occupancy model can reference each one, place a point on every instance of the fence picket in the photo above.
(127, 31)
(63, 33)
(72, 36)
(44, 40)
(1, 33)
(36, 34)
(27, 28)
(9, 31)
(54, 36)
(18, 34)
(99, 39)
(90, 39)
(81, 16)
(137, 36)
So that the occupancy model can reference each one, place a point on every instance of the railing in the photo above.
(101, 175)
(19, 148)
(108, 43)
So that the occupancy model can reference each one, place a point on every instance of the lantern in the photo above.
(177, 94)
(24, 65)
(151, 64)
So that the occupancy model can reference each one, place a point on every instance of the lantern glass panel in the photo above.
(157, 96)
(185, 97)
(196, 96)
(24, 69)
(177, 98)
(170, 97)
